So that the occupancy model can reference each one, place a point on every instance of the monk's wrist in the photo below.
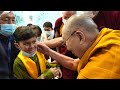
(49, 51)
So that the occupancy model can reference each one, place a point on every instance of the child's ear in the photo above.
(17, 45)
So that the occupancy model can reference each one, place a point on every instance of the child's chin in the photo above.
(32, 51)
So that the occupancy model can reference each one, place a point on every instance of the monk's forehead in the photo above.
(66, 33)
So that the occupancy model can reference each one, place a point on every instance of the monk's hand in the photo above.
(43, 48)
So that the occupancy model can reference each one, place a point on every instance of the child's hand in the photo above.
(56, 72)
(54, 62)
(60, 73)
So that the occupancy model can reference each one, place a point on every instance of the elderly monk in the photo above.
(98, 52)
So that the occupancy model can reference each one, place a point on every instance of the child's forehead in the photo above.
(30, 39)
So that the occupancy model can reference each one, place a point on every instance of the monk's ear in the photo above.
(81, 36)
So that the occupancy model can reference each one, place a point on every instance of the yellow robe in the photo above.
(31, 66)
(102, 59)
(61, 29)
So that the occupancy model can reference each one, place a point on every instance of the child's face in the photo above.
(29, 46)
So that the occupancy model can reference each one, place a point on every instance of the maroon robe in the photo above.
(108, 19)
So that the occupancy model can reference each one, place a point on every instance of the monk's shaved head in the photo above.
(78, 22)
(69, 12)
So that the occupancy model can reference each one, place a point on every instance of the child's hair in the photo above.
(23, 33)
(36, 27)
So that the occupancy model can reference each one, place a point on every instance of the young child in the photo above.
(31, 64)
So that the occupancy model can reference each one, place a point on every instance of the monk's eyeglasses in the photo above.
(71, 35)
(68, 37)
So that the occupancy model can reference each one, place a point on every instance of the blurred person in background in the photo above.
(108, 19)
(48, 32)
(59, 24)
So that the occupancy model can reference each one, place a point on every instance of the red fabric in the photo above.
(108, 19)
(58, 23)
(63, 50)
(68, 74)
